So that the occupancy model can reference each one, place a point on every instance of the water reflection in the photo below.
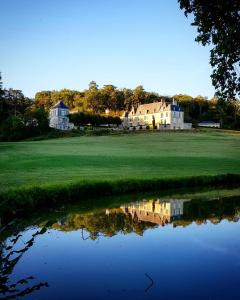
(11, 252)
(158, 211)
(125, 266)
(139, 216)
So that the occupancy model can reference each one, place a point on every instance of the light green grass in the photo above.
(136, 156)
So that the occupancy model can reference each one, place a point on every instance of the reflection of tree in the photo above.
(9, 257)
(211, 210)
(100, 223)
(103, 224)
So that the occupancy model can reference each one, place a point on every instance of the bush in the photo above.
(28, 199)
(81, 119)
(13, 129)
(33, 123)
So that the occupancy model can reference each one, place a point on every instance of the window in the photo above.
(166, 114)
(161, 115)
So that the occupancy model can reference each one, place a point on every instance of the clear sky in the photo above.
(55, 44)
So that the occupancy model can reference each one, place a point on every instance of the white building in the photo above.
(209, 124)
(161, 115)
(58, 117)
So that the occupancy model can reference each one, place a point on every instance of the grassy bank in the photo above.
(98, 165)
(28, 199)
(139, 156)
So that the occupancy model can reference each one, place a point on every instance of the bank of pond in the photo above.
(29, 199)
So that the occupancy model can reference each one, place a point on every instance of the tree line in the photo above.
(95, 100)
(19, 117)
(22, 117)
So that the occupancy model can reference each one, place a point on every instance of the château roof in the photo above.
(150, 108)
(60, 104)
(175, 107)
(156, 107)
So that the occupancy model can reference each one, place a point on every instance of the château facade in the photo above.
(58, 117)
(160, 115)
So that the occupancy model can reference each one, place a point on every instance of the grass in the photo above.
(112, 158)
(41, 173)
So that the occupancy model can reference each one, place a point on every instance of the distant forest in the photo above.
(22, 117)
(97, 100)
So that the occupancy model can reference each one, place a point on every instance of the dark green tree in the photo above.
(94, 98)
(218, 25)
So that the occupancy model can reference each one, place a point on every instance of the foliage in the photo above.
(82, 118)
(30, 198)
(95, 101)
(33, 122)
(12, 103)
(218, 24)
(12, 129)
(200, 108)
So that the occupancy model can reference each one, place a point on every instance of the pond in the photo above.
(184, 246)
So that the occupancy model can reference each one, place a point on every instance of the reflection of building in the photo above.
(156, 211)
(58, 117)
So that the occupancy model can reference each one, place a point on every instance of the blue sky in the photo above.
(55, 44)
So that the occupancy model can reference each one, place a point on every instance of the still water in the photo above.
(154, 248)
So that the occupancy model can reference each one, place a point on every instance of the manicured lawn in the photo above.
(145, 155)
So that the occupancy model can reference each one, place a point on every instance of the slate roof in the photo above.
(150, 107)
(208, 122)
(155, 107)
(175, 107)
(60, 104)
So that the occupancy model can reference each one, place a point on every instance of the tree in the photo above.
(112, 98)
(43, 99)
(128, 98)
(1, 99)
(94, 98)
(218, 24)
(139, 96)
(12, 103)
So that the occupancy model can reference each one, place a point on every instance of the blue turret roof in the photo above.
(60, 104)
(175, 107)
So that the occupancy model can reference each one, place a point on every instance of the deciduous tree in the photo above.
(218, 25)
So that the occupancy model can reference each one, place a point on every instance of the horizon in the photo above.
(67, 44)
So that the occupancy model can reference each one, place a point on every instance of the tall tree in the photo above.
(94, 98)
(139, 95)
(218, 24)
(128, 98)
(43, 99)
(1, 98)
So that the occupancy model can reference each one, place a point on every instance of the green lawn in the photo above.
(145, 155)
